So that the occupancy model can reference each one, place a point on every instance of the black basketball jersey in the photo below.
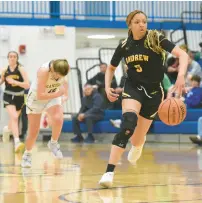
(16, 75)
(145, 66)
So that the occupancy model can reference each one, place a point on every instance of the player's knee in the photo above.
(57, 119)
(127, 129)
(15, 116)
(129, 123)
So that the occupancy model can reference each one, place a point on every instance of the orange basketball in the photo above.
(172, 111)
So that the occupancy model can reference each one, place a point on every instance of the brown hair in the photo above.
(14, 52)
(196, 78)
(61, 66)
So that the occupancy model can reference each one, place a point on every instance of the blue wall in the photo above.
(103, 14)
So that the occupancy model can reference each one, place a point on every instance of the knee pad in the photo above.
(127, 129)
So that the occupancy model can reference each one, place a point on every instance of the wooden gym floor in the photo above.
(165, 173)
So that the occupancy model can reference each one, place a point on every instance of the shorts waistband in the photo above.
(21, 93)
(149, 86)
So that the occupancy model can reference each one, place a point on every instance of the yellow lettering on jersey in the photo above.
(140, 57)
(137, 57)
(127, 60)
(146, 58)
(138, 68)
(14, 77)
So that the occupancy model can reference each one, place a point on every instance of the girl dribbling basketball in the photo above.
(144, 53)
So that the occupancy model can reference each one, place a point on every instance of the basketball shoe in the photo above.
(107, 180)
(135, 153)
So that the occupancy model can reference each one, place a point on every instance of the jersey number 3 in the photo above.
(138, 68)
(52, 90)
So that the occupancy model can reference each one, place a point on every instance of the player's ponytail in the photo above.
(153, 42)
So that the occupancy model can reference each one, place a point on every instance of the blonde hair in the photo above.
(153, 42)
(153, 37)
(61, 66)
(184, 47)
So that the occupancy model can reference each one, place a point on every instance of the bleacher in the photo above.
(189, 126)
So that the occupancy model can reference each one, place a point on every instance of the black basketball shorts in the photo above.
(17, 101)
(150, 98)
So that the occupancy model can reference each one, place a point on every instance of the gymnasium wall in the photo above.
(41, 43)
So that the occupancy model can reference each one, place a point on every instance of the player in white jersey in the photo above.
(46, 93)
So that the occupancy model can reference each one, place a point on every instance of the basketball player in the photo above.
(144, 53)
(47, 92)
(16, 81)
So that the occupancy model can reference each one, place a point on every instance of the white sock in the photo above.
(16, 139)
(140, 147)
(28, 151)
(53, 141)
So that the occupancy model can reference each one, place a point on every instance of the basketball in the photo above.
(172, 111)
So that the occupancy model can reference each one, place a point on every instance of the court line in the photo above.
(63, 197)
(86, 175)
(97, 189)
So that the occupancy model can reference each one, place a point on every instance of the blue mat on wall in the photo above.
(189, 126)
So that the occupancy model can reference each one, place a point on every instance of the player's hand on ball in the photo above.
(179, 86)
(111, 94)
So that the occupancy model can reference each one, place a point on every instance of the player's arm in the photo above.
(25, 84)
(65, 95)
(42, 77)
(118, 55)
(183, 60)
(109, 76)
(2, 80)
(183, 64)
(176, 51)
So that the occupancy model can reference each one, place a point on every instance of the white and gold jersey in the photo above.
(52, 85)
(36, 106)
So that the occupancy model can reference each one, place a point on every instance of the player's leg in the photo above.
(33, 130)
(34, 109)
(55, 114)
(146, 116)
(13, 119)
(138, 139)
(131, 109)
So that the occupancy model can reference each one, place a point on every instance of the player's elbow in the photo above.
(111, 68)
